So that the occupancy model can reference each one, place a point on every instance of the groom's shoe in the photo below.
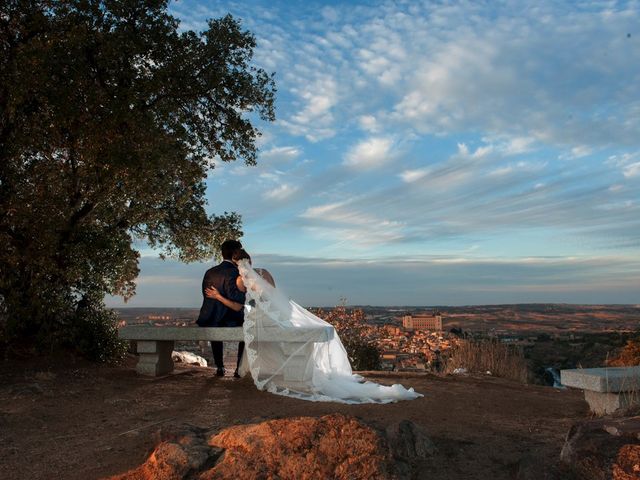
(236, 374)
(220, 372)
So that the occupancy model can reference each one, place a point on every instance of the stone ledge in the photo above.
(139, 332)
(272, 334)
(603, 380)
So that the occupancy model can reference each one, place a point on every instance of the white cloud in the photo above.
(632, 170)
(321, 211)
(314, 118)
(519, 167)
(342, 222)
(368, 123)
(281, 192)
(280, 154)
(628, 163)
(340, 212)
(410, 176)
(371, 153)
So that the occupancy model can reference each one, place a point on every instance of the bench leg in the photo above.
(604, 403)
(155, 357)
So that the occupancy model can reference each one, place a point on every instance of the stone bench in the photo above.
(605, 389)
(155, 344)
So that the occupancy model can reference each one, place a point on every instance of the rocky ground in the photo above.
(65, 418)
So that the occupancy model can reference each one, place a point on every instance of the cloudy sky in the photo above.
(436, 153)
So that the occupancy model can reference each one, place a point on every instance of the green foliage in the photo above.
(350, 325)
(110, 119)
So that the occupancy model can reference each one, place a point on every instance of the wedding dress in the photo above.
(294, 353)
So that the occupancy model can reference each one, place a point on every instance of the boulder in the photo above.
(180, 452)
(627, 465)
(332, 446)
(606, 448)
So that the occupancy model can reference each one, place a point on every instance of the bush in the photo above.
(480, 356)
(351, 327)
(362, 355)
(95, 335)
(629, 355)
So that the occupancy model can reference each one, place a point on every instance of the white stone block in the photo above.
(611, 379)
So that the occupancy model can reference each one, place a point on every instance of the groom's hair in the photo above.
(228, 247)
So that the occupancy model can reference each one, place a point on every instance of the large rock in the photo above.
(333, 446)
(181, 451)
(607, 448)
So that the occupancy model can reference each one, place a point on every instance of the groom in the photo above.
(213, 313)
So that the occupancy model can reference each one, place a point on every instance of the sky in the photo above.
(435, 153)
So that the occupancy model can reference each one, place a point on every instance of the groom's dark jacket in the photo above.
(213, 313)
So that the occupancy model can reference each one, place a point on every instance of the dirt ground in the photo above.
(70, 419)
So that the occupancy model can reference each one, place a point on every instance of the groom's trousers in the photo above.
(218, 349)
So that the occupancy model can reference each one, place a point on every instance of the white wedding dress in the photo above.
(292, 352)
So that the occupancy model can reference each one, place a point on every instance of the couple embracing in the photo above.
(289, 350)
(224, 295)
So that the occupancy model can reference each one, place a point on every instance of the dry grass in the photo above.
(483, 356)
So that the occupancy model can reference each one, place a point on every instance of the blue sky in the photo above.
(436, 153)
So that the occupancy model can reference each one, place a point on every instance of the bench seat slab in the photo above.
(603, 380)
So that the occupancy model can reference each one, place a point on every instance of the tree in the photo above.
(110, 119)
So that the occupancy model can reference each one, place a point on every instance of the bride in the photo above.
(292, 352)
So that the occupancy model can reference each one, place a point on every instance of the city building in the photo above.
(422, 321)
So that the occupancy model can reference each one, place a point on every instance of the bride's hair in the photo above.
(240, 254)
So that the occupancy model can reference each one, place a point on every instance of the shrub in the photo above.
(629, 356)
(95, 335)
(362, 354)
(350, 325)
(480, 356)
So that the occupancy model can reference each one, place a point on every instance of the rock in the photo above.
(627, 466)
(409, 441)
(181, 451)
(333, 446)
(604, 448)
(188, 358)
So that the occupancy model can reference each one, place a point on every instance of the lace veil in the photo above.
(294, 353)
